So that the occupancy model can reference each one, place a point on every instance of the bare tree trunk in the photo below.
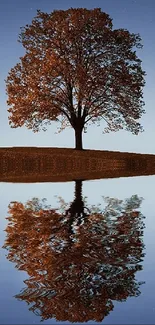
(78, 138)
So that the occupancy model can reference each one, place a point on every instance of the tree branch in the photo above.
(79, 108)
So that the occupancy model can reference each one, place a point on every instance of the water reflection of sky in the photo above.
(140, 310)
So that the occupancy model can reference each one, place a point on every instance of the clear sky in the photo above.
(135, 15)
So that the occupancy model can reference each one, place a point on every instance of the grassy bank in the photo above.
(71, 152)
(33, 164)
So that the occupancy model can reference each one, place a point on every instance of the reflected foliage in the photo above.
(79, 259)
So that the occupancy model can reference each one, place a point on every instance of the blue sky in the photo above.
(136, 16)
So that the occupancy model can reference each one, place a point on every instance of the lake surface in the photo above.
(78, 252)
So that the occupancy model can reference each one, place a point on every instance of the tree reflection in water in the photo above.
(79, 259)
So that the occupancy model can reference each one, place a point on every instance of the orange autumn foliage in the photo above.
(76, 70)
(76, 270)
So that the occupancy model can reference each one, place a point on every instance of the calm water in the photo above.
(85, 254)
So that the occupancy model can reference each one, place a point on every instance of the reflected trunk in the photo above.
(76, 212)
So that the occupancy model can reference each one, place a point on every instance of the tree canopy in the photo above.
(76, 70)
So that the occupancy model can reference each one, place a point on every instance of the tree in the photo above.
(78, 259)
(77, 70)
